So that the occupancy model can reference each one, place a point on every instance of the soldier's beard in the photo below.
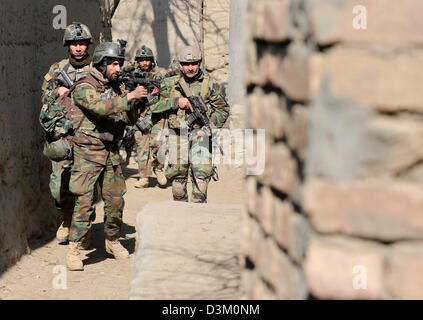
(112, 77)
(191, 77)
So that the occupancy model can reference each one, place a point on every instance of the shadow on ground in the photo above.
(97, 243)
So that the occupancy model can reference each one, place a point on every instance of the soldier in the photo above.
(174, 103)
(102, 112)
(144, 155)
(77, 38)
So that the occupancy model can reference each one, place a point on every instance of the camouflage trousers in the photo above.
(189, 158)
(158, 144)
(143, 155)
(84, 175)
(59, 188)
(147, 152)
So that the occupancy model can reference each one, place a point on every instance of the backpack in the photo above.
(56, 120)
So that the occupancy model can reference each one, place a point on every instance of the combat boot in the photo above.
(73, 259)
(142, 183)
(161, 178)
(115, 248)
(62, 233)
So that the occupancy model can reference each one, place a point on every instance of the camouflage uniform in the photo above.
(95, 159)
(143, 152)
(200, 147)
(59, 178)
(61, 170)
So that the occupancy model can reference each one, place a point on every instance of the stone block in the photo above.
(264, 209)
(389, 82)
(266, 112)
(295, 72)
(253, 238)
(260, 290)
(272, 20)
(403, 272)
(277, 269)
(251, 191)
(342, 268)
(372, 146)
(331, 21)
(377, 209)
(281, 170)
(291, 230)
(296, 130)
(195, 260)
(286, 68)
(251, 70)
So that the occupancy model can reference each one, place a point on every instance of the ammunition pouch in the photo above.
(177, 120)
(114, 128)
(59, 150)
(143, 126)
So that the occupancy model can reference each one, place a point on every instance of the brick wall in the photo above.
(29, 45)
(337, 213)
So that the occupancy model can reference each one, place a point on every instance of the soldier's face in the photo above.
(78, 48)
(113, 69)
(145, 64)
(190, 68)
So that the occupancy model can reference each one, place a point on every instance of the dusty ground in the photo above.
(33, 276)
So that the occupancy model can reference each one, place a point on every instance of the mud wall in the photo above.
(337, 213)
(166, 26)
(29, 44)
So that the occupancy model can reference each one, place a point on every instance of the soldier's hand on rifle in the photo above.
(184, 103)
(139, 93)
(62, 90)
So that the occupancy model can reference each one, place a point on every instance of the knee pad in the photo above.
(199, 191)
(179, 189)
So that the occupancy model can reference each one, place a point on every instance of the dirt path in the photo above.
(33, 276)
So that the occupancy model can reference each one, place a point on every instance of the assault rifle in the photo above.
(199, 108)
(62, 80)
(198, 105)
(67, 81)
(132, 79)
(144, 126)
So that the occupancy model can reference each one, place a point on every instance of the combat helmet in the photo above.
(77, 31)
(189, 54)
(108, 50)
(144, 52)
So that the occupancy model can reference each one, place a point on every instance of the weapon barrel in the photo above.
(65, 76)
